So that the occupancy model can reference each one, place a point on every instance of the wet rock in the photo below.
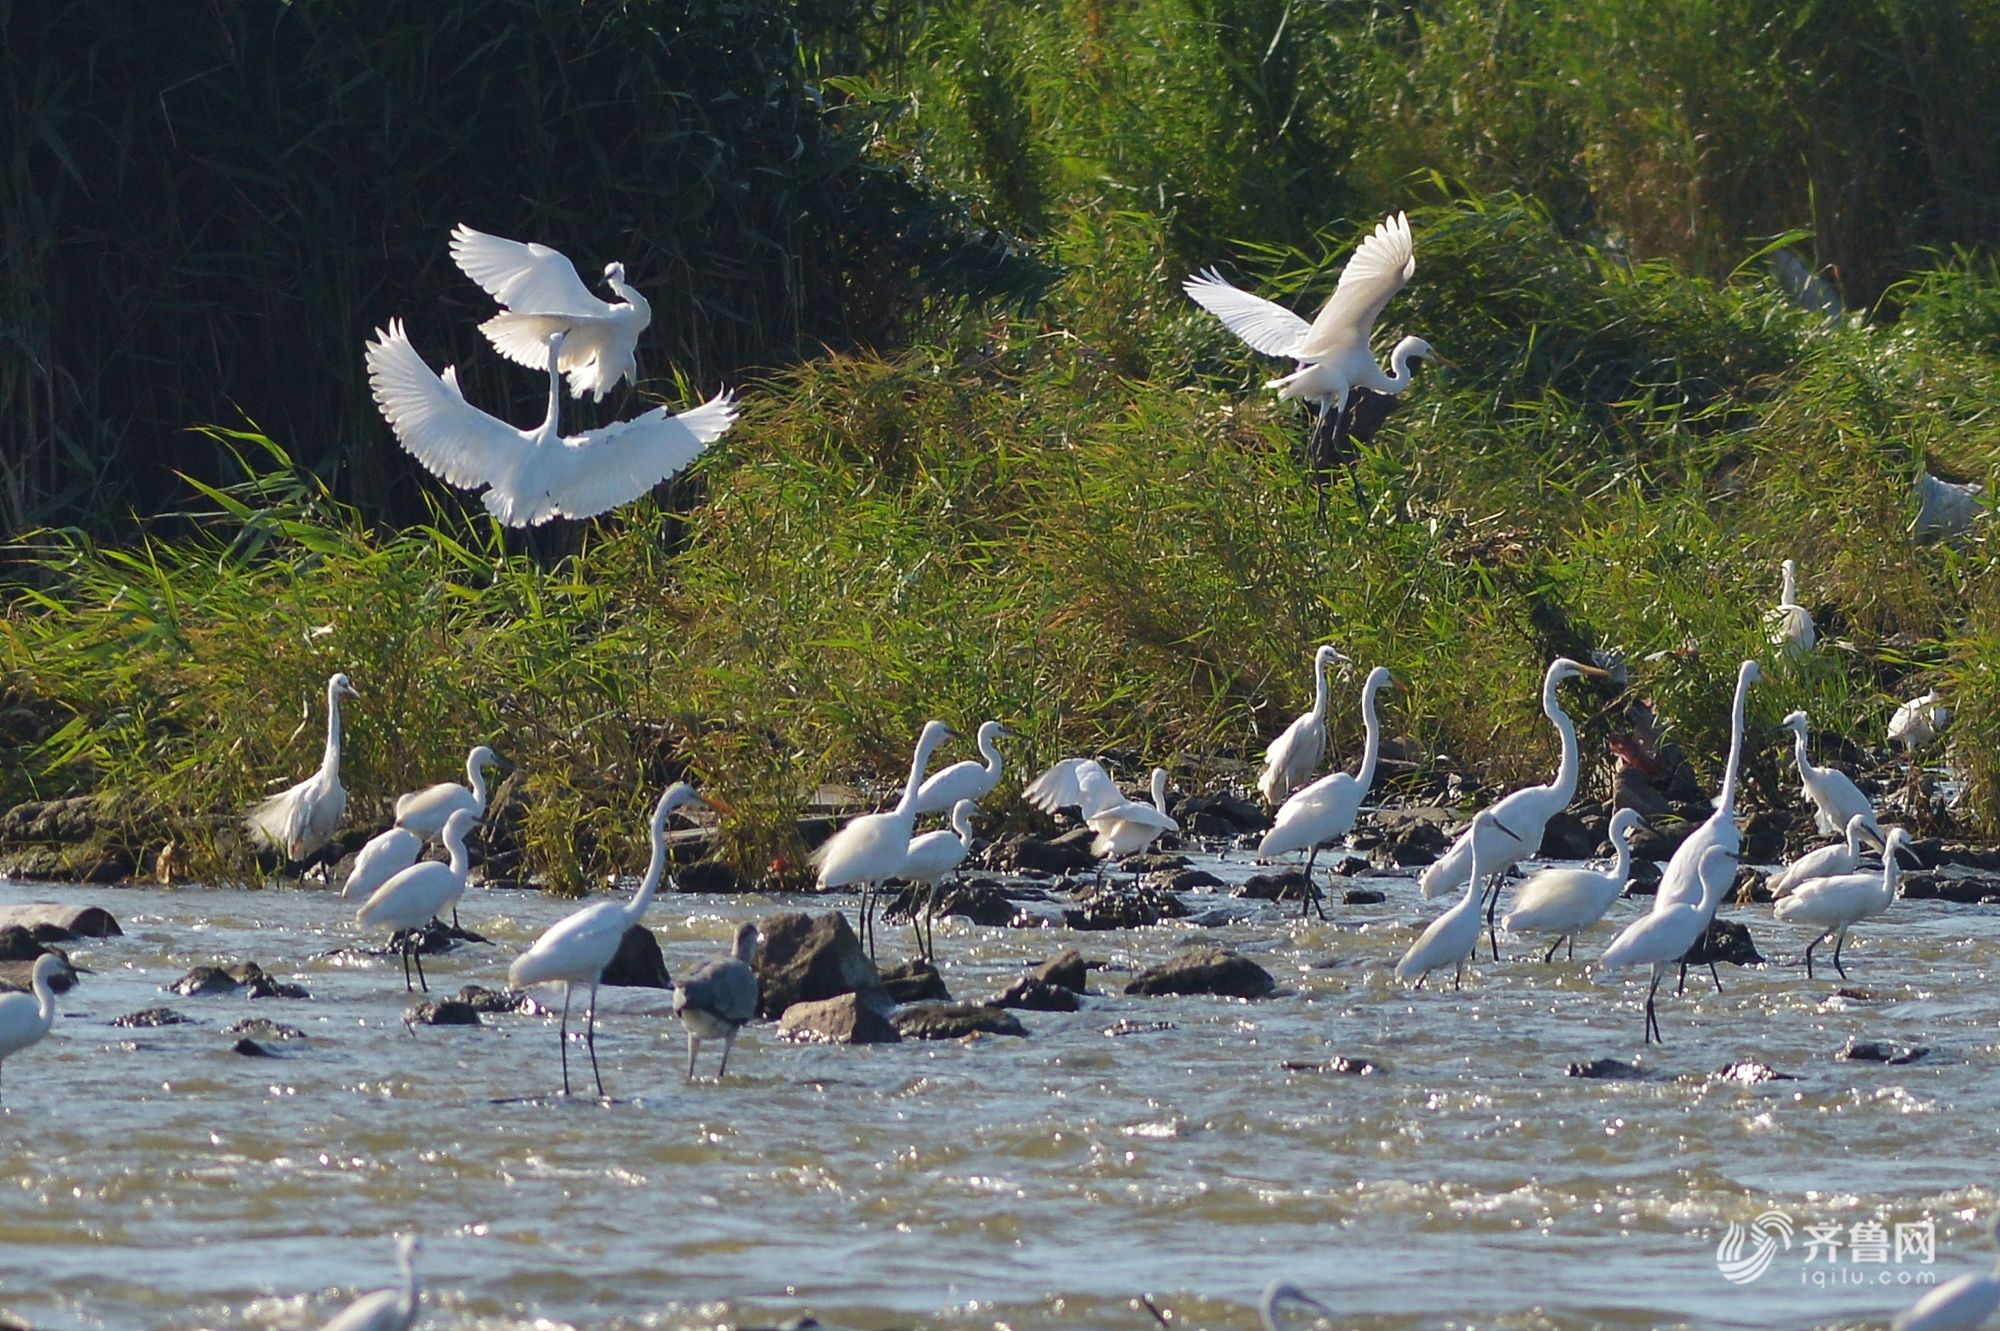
(1205, 970)
(442, 1012)
(1657, 842)
(638, 963)
(1221, 814)
(1123, 906)
(1630, 790)
(1645, 879)
(1725, 941)
(484, 1000)
(247, 976)
(1350, 1067)
(1062, 854)
(50, 923)
(1033, 995)
(1133, 1026)
(1881, 1051)
(1284, 885)
(249, 1048)
(980, 900)
(1362, 896)
(1571, 836)
(1192, 880)
(1152, 863)
(263, 1028)
(1765, 834)
(1751, 1072)
(18, 943)
(1969, 856)
(148, 1018)
(1610, 1069)
(844, 1019)
(954, 1021)
(1066, 970)
(203, 980)
(804, 959)
(707, 876)
(1407, 838)
(915, 981)
(256, 984)
(1953, 882)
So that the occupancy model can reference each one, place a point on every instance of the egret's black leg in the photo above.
(1652, 1019)
(562, 1034)
(1550, 955)
(1839, 939)
(590, 1040)
(416, 952)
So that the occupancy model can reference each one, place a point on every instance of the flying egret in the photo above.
(1835, 797)
(1835, 904)
(1957, 1305)
(1295, 755)
(1841, 857)
(1565, 902)
(1130, 826)
(1074, 783)
(1681, 882)
(1664, 934)
(544, 296)
(419, 894)
(1916, 723)
(537, 474)
(715, 998)
(424, 811)
(386, 1309)
(871, 848)
(966, 780)
(930, 857)
(26, 1018)
(1277, 1296)
(1454, 935)
(301, 820)
(576, 949)
(1324, 811)
(1789, 625)
(386, 855)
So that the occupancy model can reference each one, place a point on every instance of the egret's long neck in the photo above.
(989, 749)
(906, 808)
(330, 763)
(1566, 769)
(1371, 747)
(1622, 868)
(1891, 872)
(1160, 791)
(1399, 365)
(1319, 688)
(45, 1001)
(409, 1291)
(1799, 748)
(1726, 802)
(961, 823)
(461, 859)
(1789, 595)
(656, 868)
(1476, 880)
(552, 423)
(475, 773)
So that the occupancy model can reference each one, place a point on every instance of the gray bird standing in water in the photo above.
(715, 998)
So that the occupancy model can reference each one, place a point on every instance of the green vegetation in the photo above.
(1082, 514)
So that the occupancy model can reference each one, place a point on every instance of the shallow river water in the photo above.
(155, 1179)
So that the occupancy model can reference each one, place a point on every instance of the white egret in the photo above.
(1332, 352)
(544, 296)
(417, 895)
(1664, 934)
(1130, 826)
(1960, 1304)
(386, 855)
(871, 848)
(1835, 798)
(1681, 881)
(930, 857)
(425, 811)
(1295, 755)
(1454, 935)
(1565, 902)
(716, 997)
(1837, 903)
(1277, 1296)
(301, 820)
(1945, 508)
(386, 1309)
(26, 1018)
(537, 474)
(1840, 857)
(576, 949)
(966, 780)
(1324, 811)
(1074, 783)
(1789, 625)
(1917, 722)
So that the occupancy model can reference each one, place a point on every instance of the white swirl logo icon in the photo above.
(1746, 1250)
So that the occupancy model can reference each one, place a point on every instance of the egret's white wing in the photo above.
(1374, 274)
(1056, 788)
(529, 278)
(571, 944)
(437, 426)
(524, 338)
(1265, 325)
(608, 467)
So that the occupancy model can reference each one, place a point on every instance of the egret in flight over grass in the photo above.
(532, 475)
(1789, 625)
(424, 811)
(1324, 811)
(301, 820)
(1565, 902)
(26, 1018)
(716, 997)
(872, 847)
(1835, 798)
(1296, 753)
(386, 1309)
(419, 894)
(966, 780)
(1837, 903)
(543, 296)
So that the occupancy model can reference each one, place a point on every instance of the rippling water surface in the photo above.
(154, 1178)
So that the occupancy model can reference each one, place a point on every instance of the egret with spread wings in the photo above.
(543, 296)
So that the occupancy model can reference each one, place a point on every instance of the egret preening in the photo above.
(1959, 1304)
(1916, 723)
(1841, 857)
(1130, 826)
(1664, 934)
(715, 998)
(1295, 755)
(1837, 903)
(1454, 935)
(576, 949)
(425, 811)
(386, 855)
(1277, 1296)
(930, 857)
(871, 848)
(537, 474)
(1835, 798)
(1565, 902)
(420, 893)
(1681, 882)
(26, 1018)
(544, 296)
(966, 780)
(1324, 811)
(386, 1309)
(302, 819)
(1789, 625)
(1074, 783)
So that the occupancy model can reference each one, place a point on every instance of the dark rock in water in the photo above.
(1861, 996)
(1764, 836)
(638, 963)
(256, 984)
(263, 1028)
(1645, 879)
(804, 959)
(1407, 838)
(1630, 790)
(1362, 896)
(483, 1000)
(1726, 940)
(915, 981)
(1225, 813)
(1657, 842)
(1192, 880)
(247, 976)
(1152, 863)
(1284, 885)
(844, 1019)
(707, 876)
(979, 900)
(1069, 851)
(1968, 856)
(1205, 970)
(435, 937)
(1133, 1026)
(953, 1021)
(18, 943)
(249, 1048)
(1351, 1067)
(1952, 882)
(1881, 1051)
(1066, 970)
(1570, 836)
(1034, 995)
(205, 980)
(1610, 1069)
(1120, 906)
(147, 1018)
(1750, 1072)
(442, 1012)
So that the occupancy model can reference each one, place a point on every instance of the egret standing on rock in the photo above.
(1295, 755)
(715, 998)
(544, 296)
(932, 856)
(386, 1309)
(1565, 902)
(1789, 625)
(1129, 827)
(1664, 934)
(26, 1018)
(1835, 798)
(301, 820)
(576, 949)
(1325, 810)
(425, 811)
(871, 848)
(966, 780)
(419, 894)
(1837, 903)
(1454, 935)
(1841, 857)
